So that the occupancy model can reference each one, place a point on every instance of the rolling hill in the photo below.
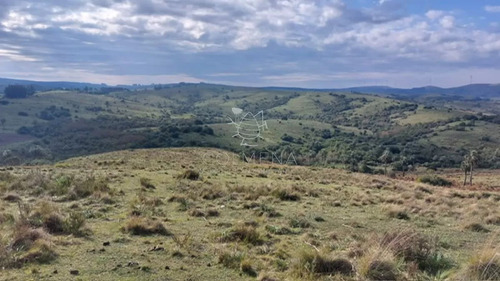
(319, 127)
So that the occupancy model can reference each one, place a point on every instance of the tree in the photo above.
(18, 91)
(473, 160)
(465, 167)
(385, 158)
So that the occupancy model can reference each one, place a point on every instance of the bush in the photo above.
(476, 227)
(417, 248)
(230, 259)
(434, 180)
(247, 268)
(309, 263)
(278, 230)
(378, 263)
(190, 175)
(40, 252)
(299, 223)
(244, 233)
(146, 183)
(85, 187)
(382, 270)
(286, 194)
(397, 212)
(144, 226)
(74, 223)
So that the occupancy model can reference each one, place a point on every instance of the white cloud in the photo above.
(492, 9)
(16, 56)
(434, 14)
(447, 22)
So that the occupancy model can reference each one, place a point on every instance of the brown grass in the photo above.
(145, 226)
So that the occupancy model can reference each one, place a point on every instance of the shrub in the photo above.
(378, 263)
(40, 252)
(299, 223)
(278, 230)
(230, 259)
(476, 227)
(286, 194)
(62, 185)
(434, 180)
(146, 183)
(85, 187)
(381, 270)
(197, 213)
(190, 175)
(244, 233)
(309, 263)
(417, 248)
(247, 268)
(74, 223)
(144, 226)
(397, 212)
(24, 237)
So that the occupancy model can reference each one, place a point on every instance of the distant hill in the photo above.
(42, 86)
(468, 91)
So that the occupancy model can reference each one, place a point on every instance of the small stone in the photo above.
(74, 272)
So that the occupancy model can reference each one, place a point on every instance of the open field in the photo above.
(202, 214)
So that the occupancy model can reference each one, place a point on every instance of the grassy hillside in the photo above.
(203, 214)
(327, 128)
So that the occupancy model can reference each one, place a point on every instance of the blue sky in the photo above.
(315, 43)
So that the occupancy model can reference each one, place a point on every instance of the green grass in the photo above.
(242, 240)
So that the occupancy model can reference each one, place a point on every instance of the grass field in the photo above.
(202, 214)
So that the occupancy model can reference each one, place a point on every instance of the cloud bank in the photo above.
(318, 43)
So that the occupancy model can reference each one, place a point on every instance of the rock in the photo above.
(55, 271)
(74, 272)
(107, 243)
(167, 267)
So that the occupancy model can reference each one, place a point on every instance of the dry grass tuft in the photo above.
(146, 183)
(476, 227)
(189, 175)
(378, 264)
(145, 226)
(484, 265)
(397, 212)
(243, 233)
(309, 264)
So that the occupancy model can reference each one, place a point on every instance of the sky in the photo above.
(291, 43)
